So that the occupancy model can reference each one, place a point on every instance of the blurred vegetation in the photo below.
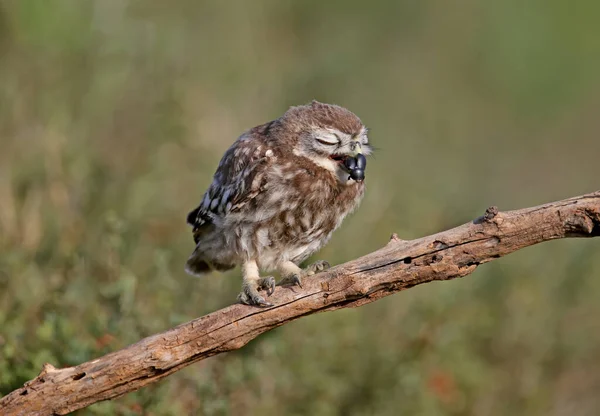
(114, 114)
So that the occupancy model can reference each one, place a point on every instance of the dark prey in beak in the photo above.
(356, 167)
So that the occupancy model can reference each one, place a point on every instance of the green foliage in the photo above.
(113, 116)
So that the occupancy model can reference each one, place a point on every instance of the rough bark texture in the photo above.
(397, 266)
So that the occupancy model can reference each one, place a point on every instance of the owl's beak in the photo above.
(356, 148)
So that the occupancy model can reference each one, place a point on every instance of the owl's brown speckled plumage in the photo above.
(278, 194)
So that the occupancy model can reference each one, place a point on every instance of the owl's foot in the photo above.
(316, 267)
(250, 296)
(292, 276)
(291, 280)
(267, 284)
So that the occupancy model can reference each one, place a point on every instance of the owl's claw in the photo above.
(295, 279)
(317, 267)
(249, 295)
(290, 280)
(267, 284)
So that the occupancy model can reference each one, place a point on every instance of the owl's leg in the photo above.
(292, 274)
(252, 282)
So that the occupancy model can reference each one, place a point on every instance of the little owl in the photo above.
(278, 194)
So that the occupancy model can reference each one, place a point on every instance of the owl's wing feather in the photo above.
(239, 178)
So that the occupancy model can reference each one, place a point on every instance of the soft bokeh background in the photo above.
(113, 117)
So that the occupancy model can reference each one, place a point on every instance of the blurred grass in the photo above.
(114, 114)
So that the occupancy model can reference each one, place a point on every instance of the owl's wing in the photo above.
(239, 178)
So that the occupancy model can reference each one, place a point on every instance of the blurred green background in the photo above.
(114, 115)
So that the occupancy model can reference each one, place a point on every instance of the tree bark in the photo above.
(399, 265)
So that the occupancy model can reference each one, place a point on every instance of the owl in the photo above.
(278, 194)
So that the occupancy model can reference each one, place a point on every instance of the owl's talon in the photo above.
(249, 296)
(295, 278)
(290, 280)
(267, 284)
(317, 267)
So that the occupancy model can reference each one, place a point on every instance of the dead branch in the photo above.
(397, 266)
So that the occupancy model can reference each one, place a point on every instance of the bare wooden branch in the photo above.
(399, 265)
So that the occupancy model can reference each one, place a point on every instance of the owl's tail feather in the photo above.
(198, 266)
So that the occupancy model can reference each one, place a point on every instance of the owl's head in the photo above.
(328, 135)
